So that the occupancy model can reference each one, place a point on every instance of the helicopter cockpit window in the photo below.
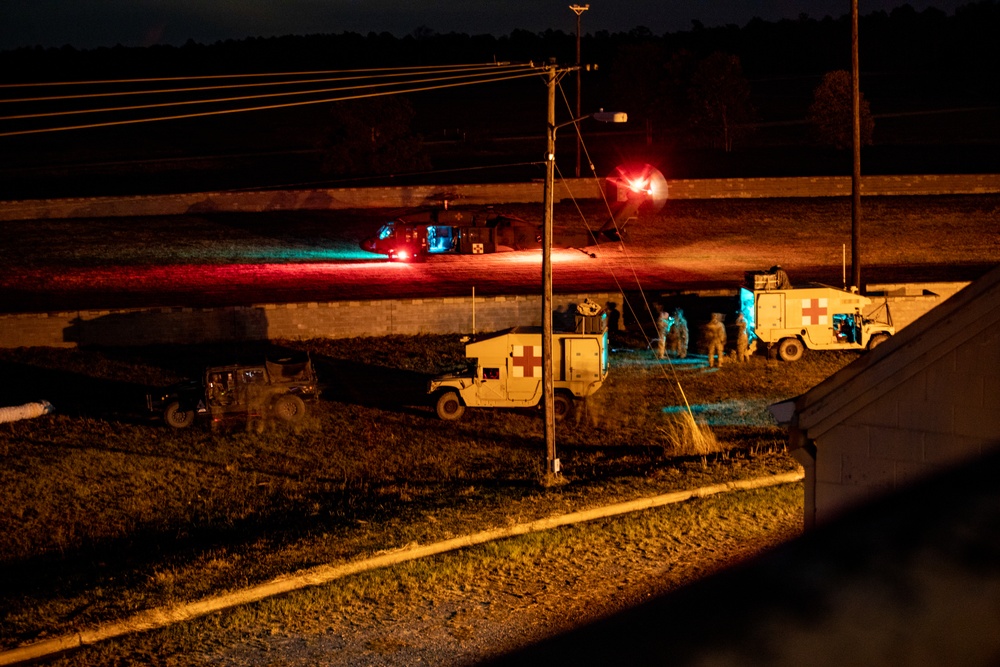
(385, 231)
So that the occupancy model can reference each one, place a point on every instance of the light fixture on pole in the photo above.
(553, 73)
(578, 10)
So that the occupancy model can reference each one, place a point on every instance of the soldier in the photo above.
(662, 327)
(615, 322)
(679, 334)
(715, 336)
(742, 338)
(219, 388)
(781, 278)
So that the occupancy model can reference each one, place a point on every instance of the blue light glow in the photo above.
(749, 312)
(440, 238)
(727, 413)
(335, 254)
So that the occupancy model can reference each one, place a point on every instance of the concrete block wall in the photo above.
(484, 194)
(908, 302)
(339, 319)
(834, 186)
(289, 200)
(35, 329)
(942, 415)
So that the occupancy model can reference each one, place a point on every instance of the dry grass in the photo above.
(462, 607)
(104, 514)
(685, 436)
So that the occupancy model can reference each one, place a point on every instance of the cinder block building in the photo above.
(926, 400)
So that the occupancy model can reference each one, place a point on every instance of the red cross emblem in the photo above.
(526, 363)
(814, 311)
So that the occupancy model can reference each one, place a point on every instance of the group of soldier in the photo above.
(673, 336)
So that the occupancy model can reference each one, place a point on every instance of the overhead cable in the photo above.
(405, 72)
(427, 84)
(244, 98)
(205, 77)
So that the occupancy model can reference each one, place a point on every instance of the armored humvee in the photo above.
(274, 388)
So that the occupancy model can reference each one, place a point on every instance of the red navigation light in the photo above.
(640, 185)
(645, 181)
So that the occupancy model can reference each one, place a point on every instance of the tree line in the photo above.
(699, 86)
(903, 39)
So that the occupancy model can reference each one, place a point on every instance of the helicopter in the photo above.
(416, 236)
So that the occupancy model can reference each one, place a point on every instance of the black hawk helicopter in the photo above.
(416, 236)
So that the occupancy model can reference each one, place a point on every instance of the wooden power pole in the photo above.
(856, 146)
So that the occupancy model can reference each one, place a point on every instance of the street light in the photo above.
(548, 397)
(578, 10)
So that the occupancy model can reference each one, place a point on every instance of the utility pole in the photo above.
(578, 10)
(856, 142)
(552, 74)
(548, 395)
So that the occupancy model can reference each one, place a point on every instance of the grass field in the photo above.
(105, 513)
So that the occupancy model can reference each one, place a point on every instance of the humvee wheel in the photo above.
(562, 406)
(289, 408)
(877, 340)
(790, 349)
(177, 417)
(449, 407)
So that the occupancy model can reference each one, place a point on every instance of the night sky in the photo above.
(86, 24)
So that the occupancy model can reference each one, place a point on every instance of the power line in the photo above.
(241, 98)
(438, 84)
(206, 77)
(353, 77)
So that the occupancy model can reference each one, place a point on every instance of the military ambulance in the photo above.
(505, 371)
(813, 316)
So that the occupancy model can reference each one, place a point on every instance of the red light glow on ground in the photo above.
(534, 257)
(52, 289)
(251, 259)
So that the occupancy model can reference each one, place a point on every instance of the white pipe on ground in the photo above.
(323, 574)
(27, 411)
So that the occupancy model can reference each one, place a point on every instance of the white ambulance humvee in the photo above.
(813, 316)
(505, 371)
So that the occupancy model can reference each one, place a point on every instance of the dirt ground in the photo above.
(241, 259)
